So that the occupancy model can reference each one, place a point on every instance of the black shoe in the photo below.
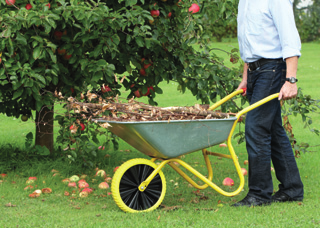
(251, 201)
(280, 197)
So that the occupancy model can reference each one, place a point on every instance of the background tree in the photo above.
(69, 46)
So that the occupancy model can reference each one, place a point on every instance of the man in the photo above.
(270, 47)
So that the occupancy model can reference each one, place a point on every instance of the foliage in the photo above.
(308, 22)
(223, 24)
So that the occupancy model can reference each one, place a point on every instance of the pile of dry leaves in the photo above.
(120, 109)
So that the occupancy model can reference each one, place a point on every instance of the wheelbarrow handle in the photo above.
(223, 100)
(257, 104)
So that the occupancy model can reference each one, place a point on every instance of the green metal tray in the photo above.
(163, 139)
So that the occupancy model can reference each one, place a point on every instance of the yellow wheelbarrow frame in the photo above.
(233, 156)
(171, 161)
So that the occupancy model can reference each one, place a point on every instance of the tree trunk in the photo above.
(44, 128)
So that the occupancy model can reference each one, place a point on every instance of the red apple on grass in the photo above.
(246, 162)
(222, 145)
(46, 190)
(72, 184)
(244, 171)
(194, 8)
(3, 175)
(88, 190)
(83, 184)
(101, 173)
(10, 2)
(103, 185)
(228, 182)
(115, 169)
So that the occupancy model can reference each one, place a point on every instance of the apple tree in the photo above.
(52, 49)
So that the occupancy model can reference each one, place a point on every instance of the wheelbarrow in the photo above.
(139, 185)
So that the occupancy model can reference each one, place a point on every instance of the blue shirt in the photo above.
(267, 29)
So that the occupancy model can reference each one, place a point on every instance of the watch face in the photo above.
(292, 80)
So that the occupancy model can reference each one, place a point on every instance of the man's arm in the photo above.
(290, 90)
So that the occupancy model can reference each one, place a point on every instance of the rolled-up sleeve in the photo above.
(282, 14)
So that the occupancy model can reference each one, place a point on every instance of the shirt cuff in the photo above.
(290, 52)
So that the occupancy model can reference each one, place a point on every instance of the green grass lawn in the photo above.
(207, 209)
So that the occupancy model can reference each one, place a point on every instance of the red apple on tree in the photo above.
(155, 13)
(66, 56)
(10, 2)
(28, 6)
(149, 91)
(57, 35)
(143, 72)
(137, 93)
(194, 8)
(61, 51)
(105, 89)
(49, 5)
(169, 14)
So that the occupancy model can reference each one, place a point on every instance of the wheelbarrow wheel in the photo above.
(125, 183)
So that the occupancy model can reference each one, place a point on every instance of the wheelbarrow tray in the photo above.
(170, 139)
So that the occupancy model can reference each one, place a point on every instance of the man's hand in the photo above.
(243, 85)
(288, 91)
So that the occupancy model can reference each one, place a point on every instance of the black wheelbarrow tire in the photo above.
(125, 183)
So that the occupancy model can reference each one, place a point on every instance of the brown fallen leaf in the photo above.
(171, 208)
(10, 205)
(158, 217)
(195, 200)
(204, 198)
(104, 207)
(98, 215)
(204, 209)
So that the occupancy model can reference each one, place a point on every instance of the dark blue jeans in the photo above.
(266, 138)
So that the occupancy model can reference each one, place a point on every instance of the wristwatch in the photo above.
(292, 80)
